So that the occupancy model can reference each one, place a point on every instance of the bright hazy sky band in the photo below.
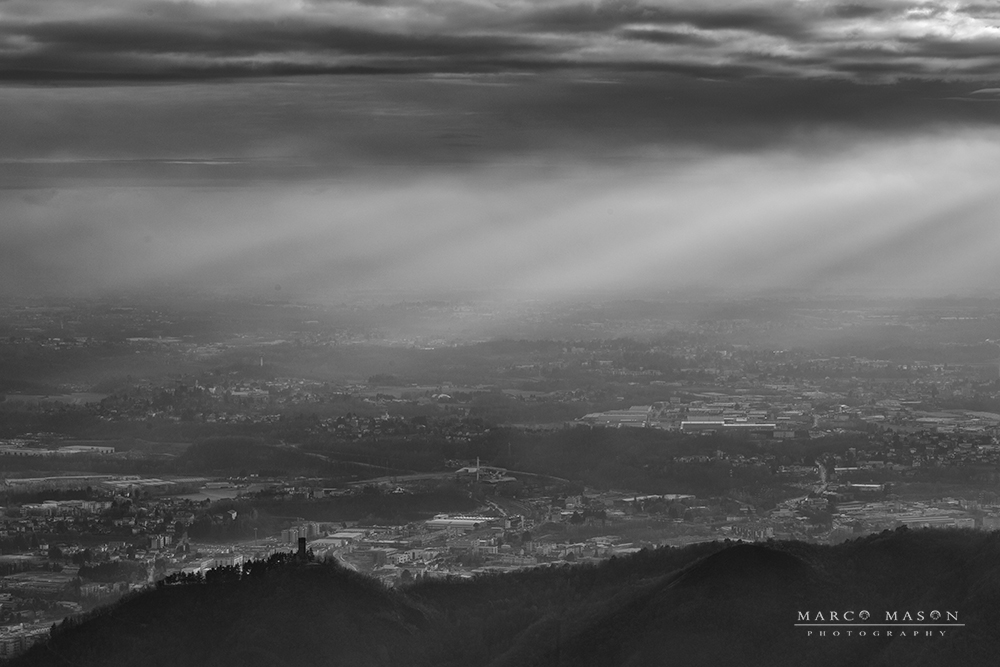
(512, 146)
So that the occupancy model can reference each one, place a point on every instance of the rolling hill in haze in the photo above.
(710, 604)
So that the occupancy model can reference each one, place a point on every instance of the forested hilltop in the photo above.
(709, 604)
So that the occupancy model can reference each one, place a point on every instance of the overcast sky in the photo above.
(510, 146)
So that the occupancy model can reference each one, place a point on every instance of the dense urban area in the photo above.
(142, 442)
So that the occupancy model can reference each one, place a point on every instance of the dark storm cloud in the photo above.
(658, 36)
(857, 11)
(254, 37)
(247, 38)
(953, 50)
(610, 15)
(886, 68)
(979, 10)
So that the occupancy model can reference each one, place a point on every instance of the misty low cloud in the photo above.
(902, 216)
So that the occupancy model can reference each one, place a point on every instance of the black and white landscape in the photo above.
(448, 332)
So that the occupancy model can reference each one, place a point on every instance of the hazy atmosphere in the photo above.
(509, 147)
(499, 333)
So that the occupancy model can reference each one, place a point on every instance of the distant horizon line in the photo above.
(279, 295)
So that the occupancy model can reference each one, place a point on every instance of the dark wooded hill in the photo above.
(711, 604)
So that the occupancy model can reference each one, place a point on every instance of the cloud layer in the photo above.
(876, 40)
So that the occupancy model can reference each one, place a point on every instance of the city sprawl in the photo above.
(144, 443)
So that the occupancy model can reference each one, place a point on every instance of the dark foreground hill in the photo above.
(715, 604)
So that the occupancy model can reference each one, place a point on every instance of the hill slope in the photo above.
(716, 604)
